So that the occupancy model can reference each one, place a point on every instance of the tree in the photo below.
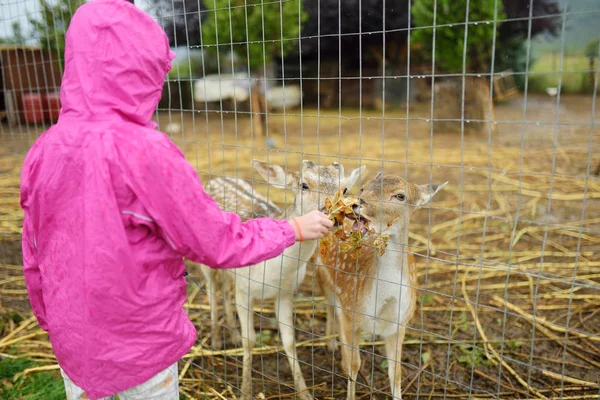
(545, 13)
(18, 37)
(511, 45)
(181, 20)
(513, 29)
(51, 26)
(357, 26)
(591, 50)
(450, 19)
(254, 29)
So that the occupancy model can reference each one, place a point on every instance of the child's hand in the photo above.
(311, 226)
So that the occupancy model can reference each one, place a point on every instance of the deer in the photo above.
(279, 278)
(232, 194)
(374, 293)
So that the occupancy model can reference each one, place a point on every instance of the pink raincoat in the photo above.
(112, 207)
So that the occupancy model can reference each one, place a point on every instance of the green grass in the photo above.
(545, 73)
(38, 386)
(43, 385)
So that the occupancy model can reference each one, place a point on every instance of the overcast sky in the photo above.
(18, 10)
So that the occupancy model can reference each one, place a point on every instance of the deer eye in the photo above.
(345, 190)
(304, 186)
(400, 196)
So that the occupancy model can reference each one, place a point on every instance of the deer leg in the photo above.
(284, 310)
(330, 298)
(216, 341)
(349, 340)
(393, 350)
(330, 329)
(246, 317)
(234, 335)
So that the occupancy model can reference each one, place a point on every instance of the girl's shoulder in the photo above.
(33, 151)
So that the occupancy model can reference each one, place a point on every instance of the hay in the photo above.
(504, 284)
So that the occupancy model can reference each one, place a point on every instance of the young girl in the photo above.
(111, 209)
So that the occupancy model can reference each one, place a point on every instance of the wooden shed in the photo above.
(23, 70)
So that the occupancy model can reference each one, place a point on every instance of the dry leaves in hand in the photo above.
(338, 209)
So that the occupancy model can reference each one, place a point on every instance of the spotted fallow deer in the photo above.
(280, 277)
(234, 195)
(374, 294)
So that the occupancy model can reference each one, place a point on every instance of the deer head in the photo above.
(390, 200)
(312, 184)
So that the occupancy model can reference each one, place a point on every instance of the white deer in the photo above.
(375, 294)
(234, 195)
(280, 277)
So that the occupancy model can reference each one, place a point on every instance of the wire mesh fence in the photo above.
(487, 287)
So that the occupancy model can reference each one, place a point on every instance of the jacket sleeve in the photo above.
(33, 276)
(194, 225)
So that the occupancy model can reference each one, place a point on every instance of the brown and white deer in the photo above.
(375, 294)
(280, 277)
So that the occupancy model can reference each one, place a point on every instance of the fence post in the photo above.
(257, 120)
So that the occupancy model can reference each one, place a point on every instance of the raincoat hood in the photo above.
(116, 60)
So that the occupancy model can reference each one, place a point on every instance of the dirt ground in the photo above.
(509, 271)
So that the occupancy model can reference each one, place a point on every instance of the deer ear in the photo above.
(273, 174)
(354, 175)
(307, 164)
(339, 167)
(427, 192)
(379, 175)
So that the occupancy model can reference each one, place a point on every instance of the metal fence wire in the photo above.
(487, 287)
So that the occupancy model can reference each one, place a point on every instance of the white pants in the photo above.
(162, 386)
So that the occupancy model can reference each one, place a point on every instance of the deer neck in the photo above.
(395, 255)
(298, 251)
(293, 211)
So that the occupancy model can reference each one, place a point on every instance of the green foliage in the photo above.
(193, 64)
(450, 40)
(50, 26)
(186, 70)
(511, 53)
(43, 385)
(264, 338)
(545, 73)
(427, 298)
(514, 344)
(257, 29)
(16, 317)
(426, 356)
(384, 364)
(471, 356)
(17, 37)
(591, 49)
(5, 322)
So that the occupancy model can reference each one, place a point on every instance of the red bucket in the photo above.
(33, 108)
(51, 106)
